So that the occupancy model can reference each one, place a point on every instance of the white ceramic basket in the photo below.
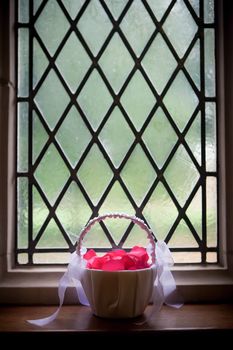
(118, 294)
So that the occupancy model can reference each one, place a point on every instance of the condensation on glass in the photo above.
(116, 112)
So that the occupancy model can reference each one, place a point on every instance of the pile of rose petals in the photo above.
(118, 259)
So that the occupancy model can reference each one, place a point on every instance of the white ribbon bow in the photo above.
(164, 288)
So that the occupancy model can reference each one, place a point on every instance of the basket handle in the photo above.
(134, 219)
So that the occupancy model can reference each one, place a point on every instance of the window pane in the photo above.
(120, 117)
(22, 137)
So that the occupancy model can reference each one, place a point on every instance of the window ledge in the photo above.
(40, 286)
(189, 320)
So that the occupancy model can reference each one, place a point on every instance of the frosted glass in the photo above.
(116, 63)
(73, 62)
(22, 212)
(40, 212)
(159, 7)
(96, 238)
(73, 211)
(23, 11)
(51, 165)
(51, 104)
(195, 5)
(117, 202)
(52, 237)
(138, 100)
(22, 258)
(210, 142)
(22, 128)
(159, 137)
(211, 203)
(209, 63)
(180, 27)
(36, 5)
(193, 138)
(114, 130)
(52, 31)
(192, 63)
(73, 7)
(116, 7)
(158, 69)
(136, 237)
(209, 11)
(194, 212)
(181, 101)
(137, 26)
(186, 258)
(160, 212)
(95, 99)
(23, 62)
(138, 174)
(40, 62)
(95, 174)
(182, 237)
(40, 137)
(94, 26)
(181, 175)
(211, 257)
(73, 136)
(51, 258)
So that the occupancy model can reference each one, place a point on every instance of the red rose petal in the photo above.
(89, 254)
(113, 265)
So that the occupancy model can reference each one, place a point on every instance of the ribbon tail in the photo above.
(81, 294)
(63, 284)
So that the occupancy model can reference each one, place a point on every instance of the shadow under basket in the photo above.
(118, 294)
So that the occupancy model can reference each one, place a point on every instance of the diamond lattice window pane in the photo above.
(181, 175)
(40, 212)
(194, 212)
(22, 146)
(159, 7)
(73, 7)
(182, 237)
(116, 7)
(52, 237)
(181, 101)
(40, 136)
(211, 211)
(51, 165)
(23, 53)
(40, 62)
(138, 174)
(115, 129)
(180, 27)
(117, 202)
(51, 99)
(73, 136)
(209, 63)
(211, 136)
(137, 26)
(73, 62)
(116, 62)
(138, 100)
(160, 212)
(50, 30)
(159, 137)
(192, 63)
(157, 68)
(96, 165)
(22, 212)
(193, 138)
(196, 6)
(36, 5)
(95, 99)
(73, 211)
(94, 26)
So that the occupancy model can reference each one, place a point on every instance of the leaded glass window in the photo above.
(116, 111)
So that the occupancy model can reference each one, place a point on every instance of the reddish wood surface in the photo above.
(80, 319)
